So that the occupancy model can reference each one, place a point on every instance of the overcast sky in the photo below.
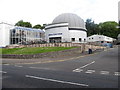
(44, 11)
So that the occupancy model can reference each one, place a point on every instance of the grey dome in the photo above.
(73, 20)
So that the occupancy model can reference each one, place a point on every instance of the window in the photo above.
(92, 37)
(80, 39)
(73, 39)
(84, 40)
(89, 38)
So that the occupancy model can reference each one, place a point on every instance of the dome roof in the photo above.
(73, 20)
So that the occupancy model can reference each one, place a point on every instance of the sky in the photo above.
(44, 11)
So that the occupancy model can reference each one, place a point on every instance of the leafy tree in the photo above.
(43, 26)
(23, 24)
(38, 26)
(91, 27)
(119, 25)
(109, 29)
(106, 28)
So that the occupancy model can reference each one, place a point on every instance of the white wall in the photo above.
(64, 30)
(5, 34)
(99, 38)
(1, 35)
(108, 39)
(95, 38)
(78, 34)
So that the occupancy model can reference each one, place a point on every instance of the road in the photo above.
(98, 70)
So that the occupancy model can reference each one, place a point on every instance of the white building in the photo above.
(5, 34)
(66, 27)
(11, 34)
(100, 38)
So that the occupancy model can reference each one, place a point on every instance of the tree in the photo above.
(23, 24)
(109, 29)
(38, 26)
(43, 26)
(106, 28)
(91, 27)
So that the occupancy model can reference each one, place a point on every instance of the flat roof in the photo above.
(28, 29)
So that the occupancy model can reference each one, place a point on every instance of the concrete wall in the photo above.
(81, 48)
(48, 54)
(54, 45)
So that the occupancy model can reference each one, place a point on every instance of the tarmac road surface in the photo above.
(98, 70)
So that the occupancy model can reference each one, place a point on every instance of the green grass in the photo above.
(33, 50)
(0, 50)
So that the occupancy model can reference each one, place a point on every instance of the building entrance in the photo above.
(55, 40)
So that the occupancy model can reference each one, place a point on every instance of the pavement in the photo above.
(97, 70)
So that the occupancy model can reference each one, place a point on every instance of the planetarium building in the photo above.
(66, 27)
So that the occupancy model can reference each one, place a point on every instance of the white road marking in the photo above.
(18, 66)
(90, 71)
(6, 64)
(42, 68)
(53, 80)
(77, 70)
(104, 72)
(3, 72)
(117, 73)
(84, 66)
(32, 67)
(87, 64)
(38, 68)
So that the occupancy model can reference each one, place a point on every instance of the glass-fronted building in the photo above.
(23, 35)
(11, 34)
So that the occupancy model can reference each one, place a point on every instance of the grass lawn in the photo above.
(33, 50)
(0, 50)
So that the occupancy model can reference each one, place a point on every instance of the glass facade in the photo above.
(22, 35)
